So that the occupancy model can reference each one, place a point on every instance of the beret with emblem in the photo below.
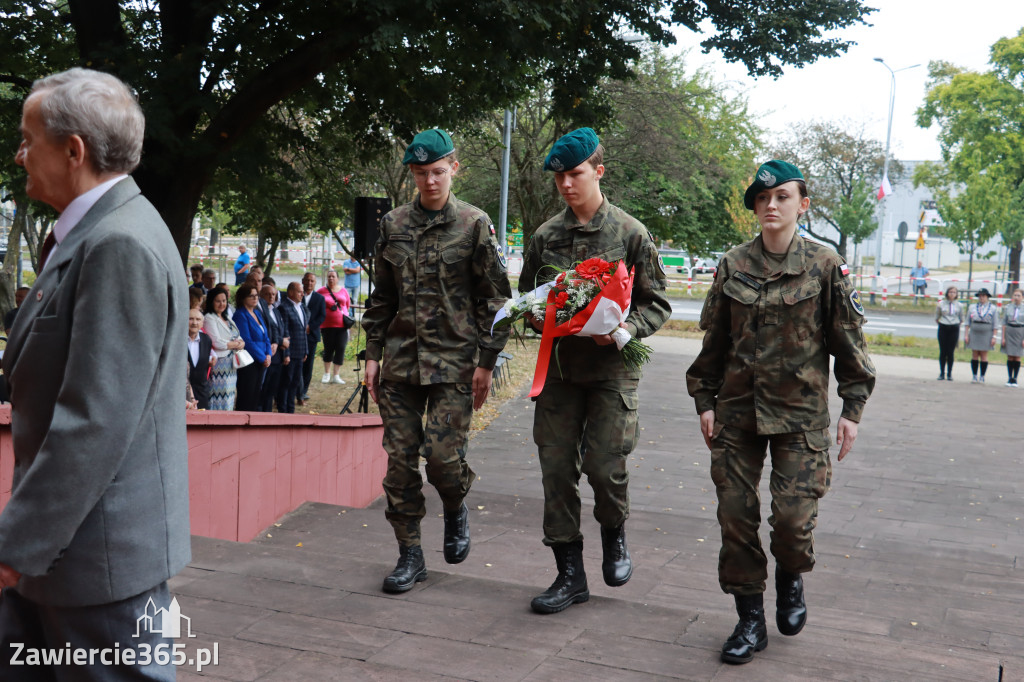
(571, 150)
(428, 147)
(770, 174)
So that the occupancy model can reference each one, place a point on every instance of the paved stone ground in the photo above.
(920, 571)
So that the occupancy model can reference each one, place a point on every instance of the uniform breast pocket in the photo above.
(611, 255)
(556, 256)
(801, 308)
(740, 292)
(456, 257)
(396, 254)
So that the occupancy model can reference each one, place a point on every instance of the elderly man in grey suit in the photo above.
(98, 516)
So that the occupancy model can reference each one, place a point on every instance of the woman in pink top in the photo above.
(335, 336)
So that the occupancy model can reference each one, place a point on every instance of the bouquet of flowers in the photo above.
(590, 299)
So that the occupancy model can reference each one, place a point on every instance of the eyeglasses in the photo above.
(436, 173)
(253, 296)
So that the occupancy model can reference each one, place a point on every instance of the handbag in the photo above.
(241, 358)
(348, 321)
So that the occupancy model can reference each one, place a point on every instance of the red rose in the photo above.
(561, 299)
(592, 268)
(561, 276)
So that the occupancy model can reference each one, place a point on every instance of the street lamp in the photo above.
(885, 171)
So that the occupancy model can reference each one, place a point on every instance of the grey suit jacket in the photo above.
(95, 367)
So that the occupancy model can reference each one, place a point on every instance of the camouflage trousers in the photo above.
(801, 475)
(584, 428)
(441, 441)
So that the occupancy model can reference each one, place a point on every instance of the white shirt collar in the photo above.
(79, 206)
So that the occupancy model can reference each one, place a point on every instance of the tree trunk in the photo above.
(175, 194)
(9, 273)
(1014, 269)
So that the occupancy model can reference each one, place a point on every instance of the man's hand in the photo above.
(266, 363)
(286, 342)
(606, 339)
(537, 325)
(273, 349)
(481, 386)
(846, 433)
(8, 576)
(372, 378)
(707, 426)
(287, 360)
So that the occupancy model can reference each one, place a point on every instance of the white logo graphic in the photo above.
(556, 164)
(169, 621)
(420, 153)
(767, 178)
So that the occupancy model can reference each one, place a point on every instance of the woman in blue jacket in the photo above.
(253, 329)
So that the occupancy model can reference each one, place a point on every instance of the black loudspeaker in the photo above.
(366, 223)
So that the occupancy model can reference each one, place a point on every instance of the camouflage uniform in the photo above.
(763, 369)
(586, 418)
(438, 283)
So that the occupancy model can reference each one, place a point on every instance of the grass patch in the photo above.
(922, 347)
(330, 398)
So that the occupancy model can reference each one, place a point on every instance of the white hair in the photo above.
(100, 109)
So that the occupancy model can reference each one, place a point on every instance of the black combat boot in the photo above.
(410, 570)
(790, 610)
(570, 587)
(616, 566)
(456, 535)
(751, 633)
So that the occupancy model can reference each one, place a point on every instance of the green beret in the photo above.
(428, 147)
(768, 175)
(571, 150)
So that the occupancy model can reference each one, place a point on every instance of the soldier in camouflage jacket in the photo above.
(779, 309)
(586, 416)
(439, 279)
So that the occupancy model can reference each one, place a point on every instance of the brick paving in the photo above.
(920, 571)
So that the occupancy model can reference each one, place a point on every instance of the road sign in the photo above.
(901, 231)
(920, 240)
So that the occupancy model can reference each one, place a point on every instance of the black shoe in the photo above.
(616, 565)
(751, 633)
(410, 570)
(570, 587)
(941, 376)
(790, 610)
(456, 535)
(949, 377)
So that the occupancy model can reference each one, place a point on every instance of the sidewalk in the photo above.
(920, 571)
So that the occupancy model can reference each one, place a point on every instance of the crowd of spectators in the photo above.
(258, 353)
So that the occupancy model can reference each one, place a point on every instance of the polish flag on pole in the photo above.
(885, 189)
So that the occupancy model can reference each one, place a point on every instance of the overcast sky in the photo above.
(903, 33)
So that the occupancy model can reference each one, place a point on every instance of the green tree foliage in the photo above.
(676, 147)
(843, 168)
(208, 72)
(981, 121)
(972, 210)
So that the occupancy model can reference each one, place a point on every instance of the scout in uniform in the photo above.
(980, 333)
(1013, 336)
(439, 280)
(779, 307)
(586, 417)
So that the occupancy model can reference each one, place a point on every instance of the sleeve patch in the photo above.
(855, 301)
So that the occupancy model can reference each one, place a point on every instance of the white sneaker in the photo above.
(338, 380)
(1009, 383)
(326, 379)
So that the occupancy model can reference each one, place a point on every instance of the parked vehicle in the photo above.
(674, 259)
(704, 265)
